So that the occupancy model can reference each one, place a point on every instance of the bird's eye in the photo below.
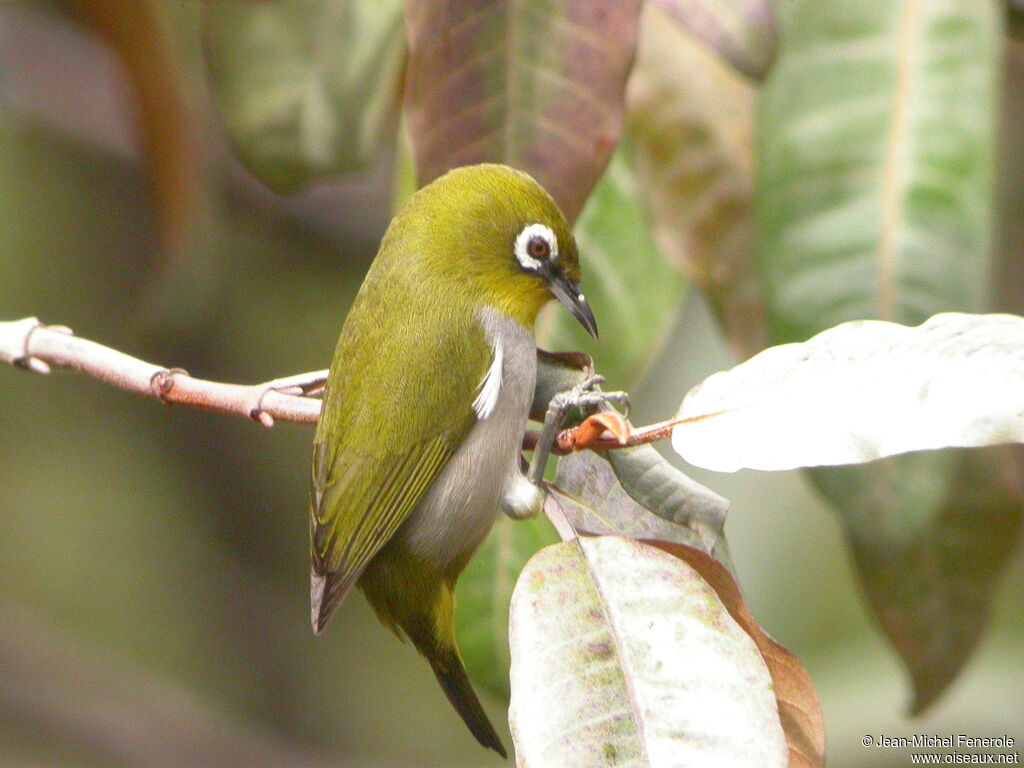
(535, 246)
(539, 248)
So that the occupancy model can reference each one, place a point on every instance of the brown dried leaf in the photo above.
(691, 125)
(167, 126)
(589, 433)
(538, 86)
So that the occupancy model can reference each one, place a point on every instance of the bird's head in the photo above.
(496, 233)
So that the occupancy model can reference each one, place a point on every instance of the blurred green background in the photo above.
(154, 560)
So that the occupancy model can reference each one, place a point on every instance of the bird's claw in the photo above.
(588, 397)
(301, 385)
(25, 359)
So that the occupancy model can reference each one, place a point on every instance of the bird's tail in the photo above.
(451, 674)
(423, 608)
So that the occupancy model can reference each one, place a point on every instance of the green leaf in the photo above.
(876, 134)
(305, 88)
(930, 578)
(874, 199)
(633, 290)
(588, 492)
(535, 85)
(654, 484)
(483, 595)
(691, 124)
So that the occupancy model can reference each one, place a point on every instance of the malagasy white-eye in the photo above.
(417, 448)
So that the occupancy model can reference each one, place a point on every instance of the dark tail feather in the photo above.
(451, 674)
(420, 603)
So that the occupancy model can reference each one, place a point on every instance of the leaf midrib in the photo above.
(620, 650)
(896, 169)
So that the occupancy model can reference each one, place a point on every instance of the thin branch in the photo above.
(30, 345)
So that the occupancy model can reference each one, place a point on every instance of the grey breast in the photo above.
(459, 508)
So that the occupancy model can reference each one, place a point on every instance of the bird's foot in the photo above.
(586, 397)
(302, 385)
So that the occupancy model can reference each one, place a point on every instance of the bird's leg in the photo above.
(587, 395)
(526, 498)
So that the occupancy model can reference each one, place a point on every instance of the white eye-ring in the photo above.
(535, 245)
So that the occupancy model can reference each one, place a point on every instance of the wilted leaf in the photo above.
(588, 493)
(535, 85)
(623, 654)
(740, 31)
(861, 391)
(630, 285)
(483, 595)
(690, 121)
(167, 121)
(305, 88)
(799, 708)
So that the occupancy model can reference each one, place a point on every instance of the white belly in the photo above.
(459, 508)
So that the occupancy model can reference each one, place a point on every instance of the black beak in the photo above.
(571, 295)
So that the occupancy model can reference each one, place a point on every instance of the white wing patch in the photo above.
(490, 385)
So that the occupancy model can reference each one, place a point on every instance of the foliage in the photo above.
(872, 198)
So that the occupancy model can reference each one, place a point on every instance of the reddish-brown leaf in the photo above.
(538, 86)
(589, 433)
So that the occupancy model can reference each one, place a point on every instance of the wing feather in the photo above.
(372, 465)
(344, 543)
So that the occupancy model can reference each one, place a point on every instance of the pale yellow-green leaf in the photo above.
(623, 655)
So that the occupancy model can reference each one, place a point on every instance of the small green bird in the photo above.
(417, 448)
